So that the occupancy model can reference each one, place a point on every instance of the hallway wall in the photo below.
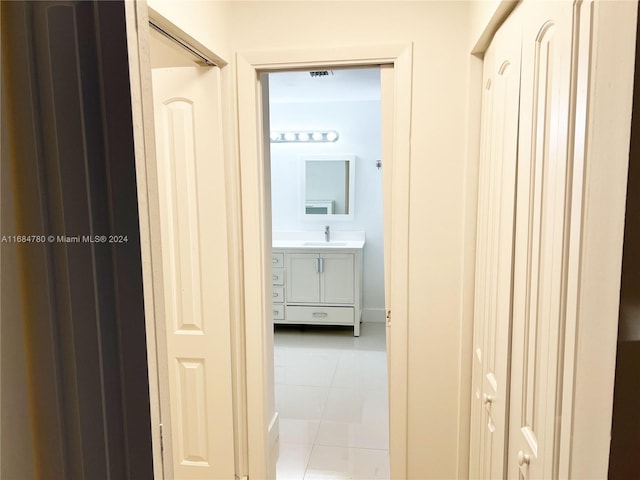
(205, 21)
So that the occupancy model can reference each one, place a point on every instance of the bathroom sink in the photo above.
(338, 243)
(324, 244)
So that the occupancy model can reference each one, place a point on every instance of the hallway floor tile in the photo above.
(331, 395)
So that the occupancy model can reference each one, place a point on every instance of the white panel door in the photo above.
(540, 239)
(337, 278)
(194, 257)
(494, 254)
(303, 277)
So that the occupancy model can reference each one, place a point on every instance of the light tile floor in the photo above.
(331, 394)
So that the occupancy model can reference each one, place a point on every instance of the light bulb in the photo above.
(317, 136)
(289, 136)
(332, 136)
(303, 137)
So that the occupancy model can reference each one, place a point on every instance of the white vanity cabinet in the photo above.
(320, 277)
(321, 287)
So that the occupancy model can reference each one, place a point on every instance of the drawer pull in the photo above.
(275, 295)
(275, 260)
(275, 277)
(275, 312)
(320, 314)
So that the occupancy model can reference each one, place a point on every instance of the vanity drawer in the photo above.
(277, 259)
(278, 311)
(278, 294)
(277, 276)
(319, 314)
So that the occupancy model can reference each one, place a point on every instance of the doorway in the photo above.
(263, 422)
(330, 372)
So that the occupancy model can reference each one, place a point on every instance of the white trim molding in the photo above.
(257, 234)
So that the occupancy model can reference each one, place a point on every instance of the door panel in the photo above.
(540, 236)
(336, 279)
(303, 278)
(496, 199)
(194, 257)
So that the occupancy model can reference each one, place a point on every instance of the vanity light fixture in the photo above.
(332, 136)
(318, 136)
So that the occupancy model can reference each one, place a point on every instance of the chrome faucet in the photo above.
(326, 234)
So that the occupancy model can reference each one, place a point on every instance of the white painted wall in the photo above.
(484, 18)
(358, 124)
(205, 20)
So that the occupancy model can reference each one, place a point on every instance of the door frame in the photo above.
(256, 220)
(138, 16)
(137, 25)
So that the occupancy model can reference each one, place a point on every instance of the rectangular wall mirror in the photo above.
(327, 186)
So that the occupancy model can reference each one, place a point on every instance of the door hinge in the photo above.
(162, 441)
(388, 318)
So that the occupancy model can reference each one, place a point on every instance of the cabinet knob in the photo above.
(319, 314)
(487, 399)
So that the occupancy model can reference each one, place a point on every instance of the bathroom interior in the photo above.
(328, 276)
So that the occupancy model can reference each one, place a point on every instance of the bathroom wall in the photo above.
(358, 124)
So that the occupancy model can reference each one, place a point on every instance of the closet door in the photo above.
(542, 206)
(494, 254)
(199, 438)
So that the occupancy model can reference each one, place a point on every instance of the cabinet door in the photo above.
(303, 278)
(336, 278)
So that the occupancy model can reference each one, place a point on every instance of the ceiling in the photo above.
(338, 85)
